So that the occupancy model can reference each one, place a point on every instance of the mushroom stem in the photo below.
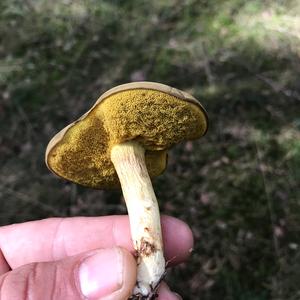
(129, 161)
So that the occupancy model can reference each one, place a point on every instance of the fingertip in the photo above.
(129, 275)
(130, 266)
(178, 239)
(164, 293)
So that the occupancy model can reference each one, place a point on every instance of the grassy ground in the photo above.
(237, 187)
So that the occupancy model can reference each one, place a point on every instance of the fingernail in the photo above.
(101, 274)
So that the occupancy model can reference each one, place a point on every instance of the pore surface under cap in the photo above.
(155, 119)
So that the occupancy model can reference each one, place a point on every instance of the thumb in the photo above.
(108, 274)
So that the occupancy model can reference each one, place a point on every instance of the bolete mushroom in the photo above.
(123, 139)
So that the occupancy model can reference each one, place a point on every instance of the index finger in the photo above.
(57, 238)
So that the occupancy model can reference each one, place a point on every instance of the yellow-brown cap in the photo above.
(154, 114)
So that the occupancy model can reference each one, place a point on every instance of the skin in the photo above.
(41, 257)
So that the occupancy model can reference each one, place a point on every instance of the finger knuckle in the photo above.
(30, 283)
(18, 283)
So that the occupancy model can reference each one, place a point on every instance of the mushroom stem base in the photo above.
(153, 293)
(129, 161)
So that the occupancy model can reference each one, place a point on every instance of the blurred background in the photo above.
(238, 187)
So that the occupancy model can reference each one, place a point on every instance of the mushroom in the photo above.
(123, 140)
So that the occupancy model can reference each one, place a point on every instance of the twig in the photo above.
(270, 205)
(25, 198)
(30, 5)
(277, 88)
(206, 64)
(25, 118)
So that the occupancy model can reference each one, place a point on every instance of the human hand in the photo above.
(79, 258)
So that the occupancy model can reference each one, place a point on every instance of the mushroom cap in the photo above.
(153, 114)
